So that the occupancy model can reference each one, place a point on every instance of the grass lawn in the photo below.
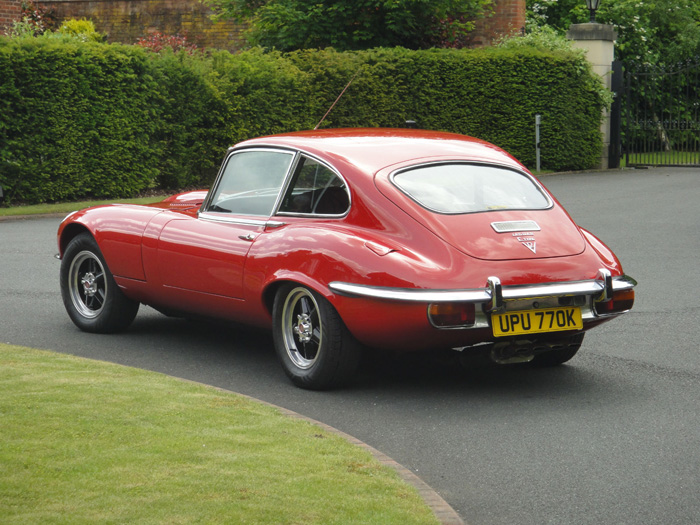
(67, 207)
(90, 442)
(661, 158)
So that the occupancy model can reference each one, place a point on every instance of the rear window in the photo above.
(453, 188)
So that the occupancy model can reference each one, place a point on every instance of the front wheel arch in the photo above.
(90, 294)
(70, 232)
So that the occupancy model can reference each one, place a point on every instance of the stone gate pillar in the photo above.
(599, 42)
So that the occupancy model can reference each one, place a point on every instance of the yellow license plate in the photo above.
(536, 321)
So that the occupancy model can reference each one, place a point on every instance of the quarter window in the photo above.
(315, 189)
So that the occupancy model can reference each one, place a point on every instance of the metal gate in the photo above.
(655, 119)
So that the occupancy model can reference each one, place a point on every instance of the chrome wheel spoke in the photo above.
(88, 284)
(301, 328)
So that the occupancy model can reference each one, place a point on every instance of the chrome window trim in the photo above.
(297, 154)
(302, 153)
(531, 178)
(235, 151)
(232, 219)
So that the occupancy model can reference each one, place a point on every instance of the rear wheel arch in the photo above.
(270, 290)
(313, 344)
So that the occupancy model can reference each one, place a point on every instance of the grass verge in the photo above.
(86, 441)
(67, 207)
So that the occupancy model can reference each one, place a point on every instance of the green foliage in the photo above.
(265, 93)
(544, 38)
(191, 118)
(353, 24)
(83, 30)
(34, 21)
(75, 121)
(23, 28)
(89, 120)
(662, 31)
(493, 94)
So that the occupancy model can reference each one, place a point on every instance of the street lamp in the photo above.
(593, 6)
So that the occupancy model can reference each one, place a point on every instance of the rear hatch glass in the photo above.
(451, 188)
(485, 211)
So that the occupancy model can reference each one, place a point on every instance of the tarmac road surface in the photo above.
(612, 437)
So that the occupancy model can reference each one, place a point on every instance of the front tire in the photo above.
(315, 348)
(91, 297)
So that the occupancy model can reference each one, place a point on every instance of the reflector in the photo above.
(451, 315)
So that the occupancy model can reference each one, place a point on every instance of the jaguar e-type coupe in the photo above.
(348, 240)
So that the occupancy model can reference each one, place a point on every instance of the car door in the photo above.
(206, 254)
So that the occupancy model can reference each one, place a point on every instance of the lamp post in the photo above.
(593, 6)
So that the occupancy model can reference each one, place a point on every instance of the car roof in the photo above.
(372, 149)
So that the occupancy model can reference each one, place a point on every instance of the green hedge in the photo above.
(80, 120)
(492, 94)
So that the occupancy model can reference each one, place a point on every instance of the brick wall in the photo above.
(126, 21)
(508, 18)
(9, 12)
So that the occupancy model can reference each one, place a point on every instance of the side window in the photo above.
(250, 182)
(315, 189)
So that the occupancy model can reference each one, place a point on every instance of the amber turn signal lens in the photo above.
(452, 315)
(621, 302)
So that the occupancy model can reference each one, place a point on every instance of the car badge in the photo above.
(522, 231)
(531, 245)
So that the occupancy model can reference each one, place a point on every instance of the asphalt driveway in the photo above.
(613, 437)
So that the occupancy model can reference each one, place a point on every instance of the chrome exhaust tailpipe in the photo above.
(512, 352)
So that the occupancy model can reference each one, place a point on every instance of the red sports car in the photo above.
(354, 238)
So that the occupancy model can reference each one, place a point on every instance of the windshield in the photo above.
(454, 188)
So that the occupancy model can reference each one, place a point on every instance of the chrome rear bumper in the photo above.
(495, 297)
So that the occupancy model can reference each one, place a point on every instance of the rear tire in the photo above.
(313, 344)
(91, 297)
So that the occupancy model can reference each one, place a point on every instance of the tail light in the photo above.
(621, 302)
(452, 315)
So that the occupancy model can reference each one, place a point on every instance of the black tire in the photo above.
(313, 344)
(92, 299)
(559, 355)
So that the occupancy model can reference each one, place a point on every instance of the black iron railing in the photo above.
(658, 123)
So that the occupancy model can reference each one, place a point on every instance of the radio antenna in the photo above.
(337, 99)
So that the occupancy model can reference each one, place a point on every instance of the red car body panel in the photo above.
(167, 256)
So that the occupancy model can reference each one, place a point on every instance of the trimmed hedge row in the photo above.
(84, 120)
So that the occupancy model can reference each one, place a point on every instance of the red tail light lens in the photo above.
(621, 302)
(452, 315)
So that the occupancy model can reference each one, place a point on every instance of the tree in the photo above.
(353, 24)
(654, 32)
